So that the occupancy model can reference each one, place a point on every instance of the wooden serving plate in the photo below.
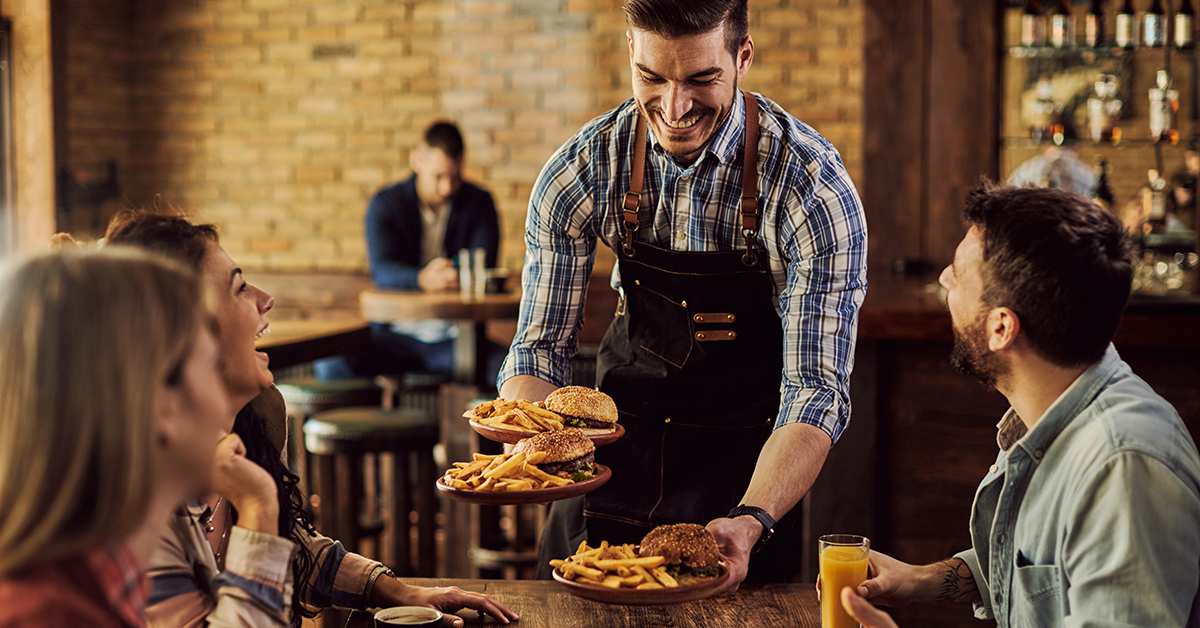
(501, 435)
(534, 496)
(645, 597)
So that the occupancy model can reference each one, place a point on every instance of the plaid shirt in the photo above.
(122, 581)
(811, 224)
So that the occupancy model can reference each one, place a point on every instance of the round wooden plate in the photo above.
(501, 435)
(535, 496)
(644, 597)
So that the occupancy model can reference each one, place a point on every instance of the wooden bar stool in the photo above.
(306, 396)
(339, 441)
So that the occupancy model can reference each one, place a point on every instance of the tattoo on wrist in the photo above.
(956, 584)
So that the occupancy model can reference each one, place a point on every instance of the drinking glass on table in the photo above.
(843, 559)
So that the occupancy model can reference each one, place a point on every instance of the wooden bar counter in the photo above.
(545, 604)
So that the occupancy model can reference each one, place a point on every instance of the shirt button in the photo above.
(993, 469)
(679, 235)
(1038, 454)
(1000, 538)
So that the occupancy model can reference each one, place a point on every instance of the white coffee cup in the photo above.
(407, 616)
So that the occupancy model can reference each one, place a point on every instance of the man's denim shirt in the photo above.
(1093, 517)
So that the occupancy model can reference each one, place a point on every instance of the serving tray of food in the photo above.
(510, 420)
(543, 468)
(673, 564)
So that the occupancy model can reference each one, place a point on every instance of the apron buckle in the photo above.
(750, 258)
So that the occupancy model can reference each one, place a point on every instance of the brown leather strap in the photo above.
(750, 167)
(633, 197)
(749, 204)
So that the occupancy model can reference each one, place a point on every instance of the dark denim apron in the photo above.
(694, 361)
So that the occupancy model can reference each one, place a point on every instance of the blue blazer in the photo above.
(394, 231)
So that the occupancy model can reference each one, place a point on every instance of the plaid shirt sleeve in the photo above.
(823, 240)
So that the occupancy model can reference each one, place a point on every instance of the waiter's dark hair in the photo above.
(445, 137)
(1058, 260)
(679, 18)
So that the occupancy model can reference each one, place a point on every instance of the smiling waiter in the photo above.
(740, 273)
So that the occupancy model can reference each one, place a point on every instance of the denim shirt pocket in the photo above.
(1037, 597)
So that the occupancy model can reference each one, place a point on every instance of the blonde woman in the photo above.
(111, 404)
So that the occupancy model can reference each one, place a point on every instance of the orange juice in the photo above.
(841, 566)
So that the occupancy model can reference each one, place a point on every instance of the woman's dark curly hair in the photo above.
(177, 237)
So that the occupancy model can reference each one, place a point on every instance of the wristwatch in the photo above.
(761, 515)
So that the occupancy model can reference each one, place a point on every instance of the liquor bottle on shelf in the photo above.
(1126, 18)
(1153, 26)
(1103, 195)
(1164, 104)
(1093, 25)
(1062, 25)
(1104, 109)
(1185, 20)
(1047, 113)
(1033, 24)
(1154, 203)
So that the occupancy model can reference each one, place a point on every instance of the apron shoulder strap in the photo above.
(633, 197)
(750, 180)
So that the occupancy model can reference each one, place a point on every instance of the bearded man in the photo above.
(1091, 514)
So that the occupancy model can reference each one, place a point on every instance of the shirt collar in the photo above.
(121, 581)
(1069, 404)
(725, 143)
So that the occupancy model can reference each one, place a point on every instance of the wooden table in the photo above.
(469, 315)
(545, 604)
(293, 342)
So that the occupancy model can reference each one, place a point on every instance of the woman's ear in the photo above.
(167, 406)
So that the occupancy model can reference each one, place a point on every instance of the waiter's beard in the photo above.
(971, 356)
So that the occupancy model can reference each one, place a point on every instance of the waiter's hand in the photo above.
(862, 611)
(526, 387)
(439, 275)
(735, 538)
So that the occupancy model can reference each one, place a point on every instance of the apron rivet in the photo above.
(729, 318)
(637, 282)
(684, 304)
(667, 421)
(700, 335)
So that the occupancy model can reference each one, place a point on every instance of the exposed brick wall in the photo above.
(97, 78)
(279, 118)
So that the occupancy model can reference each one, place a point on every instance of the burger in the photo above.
(689, 550)
(569, 453)
(585, 408)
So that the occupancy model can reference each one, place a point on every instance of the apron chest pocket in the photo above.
(661, 326)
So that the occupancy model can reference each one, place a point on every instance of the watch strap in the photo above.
(763, 518)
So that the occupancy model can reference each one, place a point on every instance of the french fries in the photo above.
(616, 567)
(504, 472)
(516, 414)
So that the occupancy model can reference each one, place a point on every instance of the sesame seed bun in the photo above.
(559, 445)
(588, 404)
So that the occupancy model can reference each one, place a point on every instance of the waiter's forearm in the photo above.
(526, 387)
(787, 467)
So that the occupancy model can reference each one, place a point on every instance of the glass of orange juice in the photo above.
(843, 559)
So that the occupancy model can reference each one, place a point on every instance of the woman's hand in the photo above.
(449, 600)
(247, 486)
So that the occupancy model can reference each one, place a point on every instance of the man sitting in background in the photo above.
(414, 230)
(1090, 515)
